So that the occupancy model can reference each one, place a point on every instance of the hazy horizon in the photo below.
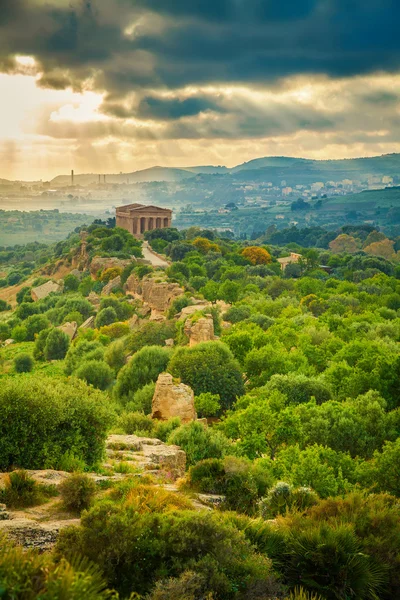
(109, 86)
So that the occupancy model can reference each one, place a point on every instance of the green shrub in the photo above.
(19, 333)
(22, 491)
(199, 442)
(299, 388)
(4, 305)
(106, 316)
(71, 283)
(143, 368)
(283, 497)
(163, 429)
(83, 350)
(115, 355)
(77, 492)
(23, 363)
(142, 399)
(328, 560)
(34, 325)
(207, 404)
(132, 548)
(209, 367)
(97, 373)
(57, 344)
(235, 478)
(5, 331)
(136, 423)
(44, 418)
(24, 573)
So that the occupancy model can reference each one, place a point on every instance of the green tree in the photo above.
(144, 367)
(97, 373)
(209, 367)
(23, 363)
(106, 316)
(57, 345)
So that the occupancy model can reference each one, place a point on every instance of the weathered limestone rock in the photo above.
(200, 331)
(156, 316)
(69, 329)
(88, 324)
(172, 400)
(149, 453)
(8, 342)
(170, 343)
(111, 285)
(100, 264)
(187, 311)
(31, 534)
(133, 322)
(158, 294)
(94, 299)
(42, 291)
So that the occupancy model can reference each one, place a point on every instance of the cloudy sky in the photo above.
(120, 85)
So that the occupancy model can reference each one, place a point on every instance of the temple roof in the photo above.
(138, 207)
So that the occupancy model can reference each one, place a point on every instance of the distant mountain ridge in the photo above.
(272, 168)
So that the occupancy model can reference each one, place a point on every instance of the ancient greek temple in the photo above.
(138, 218)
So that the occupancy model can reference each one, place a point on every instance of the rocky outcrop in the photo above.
(100, 264)
(42, 291)
(148, 453)
(94, 299)
(31, 534)
(88, 324)
(201, 330)
(187, 311)
(111, 285)
(172, 400)
(69, 329)
(158, 294)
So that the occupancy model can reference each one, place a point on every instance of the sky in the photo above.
(104, 86)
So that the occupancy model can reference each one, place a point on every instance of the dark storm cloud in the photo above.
(175, 108)
(202, 40)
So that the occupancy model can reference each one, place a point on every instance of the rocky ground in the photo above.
(38, 526)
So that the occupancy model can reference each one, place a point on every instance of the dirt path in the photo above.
(155, 260)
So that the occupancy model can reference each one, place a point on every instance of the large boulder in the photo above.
(88, 324)
(199, 331)
(42, 291)
(111, 285)
(69, 329)
(173, 400)
(158, 294)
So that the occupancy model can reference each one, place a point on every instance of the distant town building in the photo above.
(138, 218)
(286, 260)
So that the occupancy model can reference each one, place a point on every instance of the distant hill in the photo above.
(367, 200)
(269, 169)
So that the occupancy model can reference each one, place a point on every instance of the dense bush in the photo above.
(143, 368)
(23, 363)
(77, 492)
(57, 344)
(199, 442)
(43, 418)
(283, 497)
(80, 351)
(209, 367)
(24, 573)
(106, 316)
(133, 547)
(22, 491)
(97, 373)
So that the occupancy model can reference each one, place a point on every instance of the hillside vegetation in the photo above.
(298, 392)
